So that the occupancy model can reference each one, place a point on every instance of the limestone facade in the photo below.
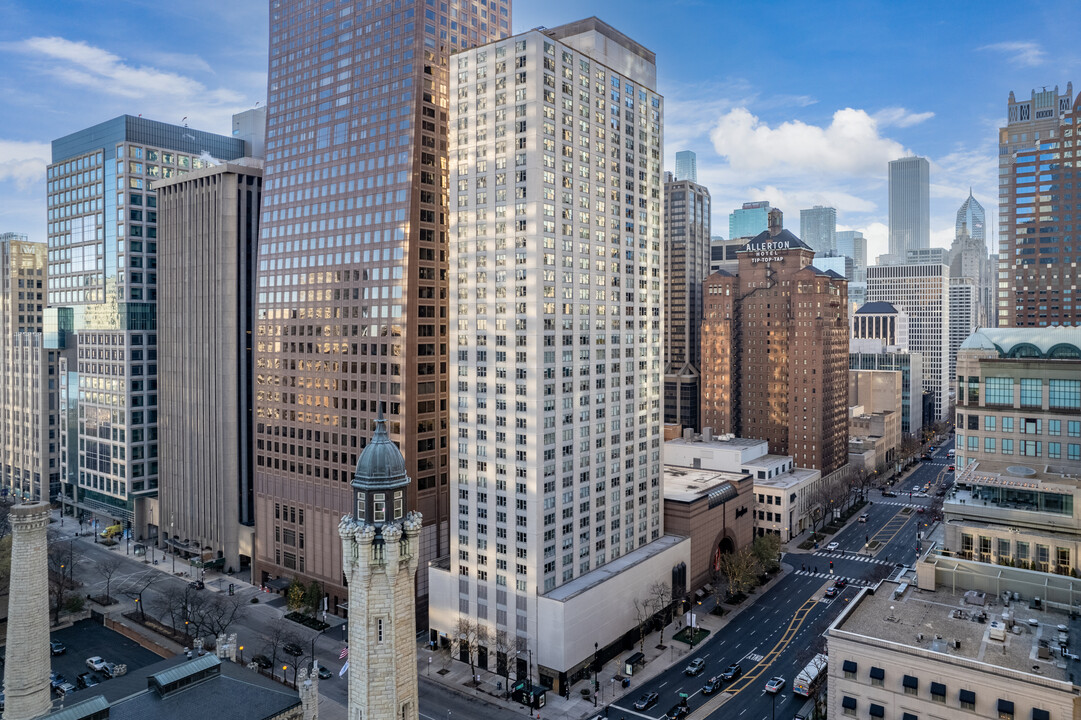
(380, 567)
(26, 670)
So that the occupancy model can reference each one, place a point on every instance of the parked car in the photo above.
(197, 584)
(712, 686)
(863, 517)
(324, 673)
(96, 663)
(775, 685)
(63, 689)
(86, 680)
(695, 667)
(109, 671)
(678, 711)
(56, 679)
(831, 592)
(57, 648)
(732, 672)
(647, 701)
(833, 545)
(262, 661)
(293, 649)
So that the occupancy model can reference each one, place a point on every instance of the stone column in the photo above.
(26, 668)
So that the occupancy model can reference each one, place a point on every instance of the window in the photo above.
(876, 711)
(1054, 450)
(989, 445)
(1031, 392)
(998, 391)
(850, 670)
(878, 675)
(1007, 424)
(848, 706)
(938, 692)
(967, 699)
(1065, 394)
(379, 630)
(1007, 446)
(989, 423)
(1005, 710)
(911, 685)
(1073, 428)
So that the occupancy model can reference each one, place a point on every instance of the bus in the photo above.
(809, 677)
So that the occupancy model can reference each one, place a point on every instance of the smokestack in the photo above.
(775, 221)
(26, 670)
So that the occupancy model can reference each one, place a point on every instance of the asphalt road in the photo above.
(781, 632)
(776, 636)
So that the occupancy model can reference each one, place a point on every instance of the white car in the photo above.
(833, 546)
(775, 685)
(96, 663)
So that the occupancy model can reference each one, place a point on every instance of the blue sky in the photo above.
(799, 103)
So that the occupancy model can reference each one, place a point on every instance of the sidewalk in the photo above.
(659, 657)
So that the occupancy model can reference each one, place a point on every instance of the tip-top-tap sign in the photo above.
(766, 250)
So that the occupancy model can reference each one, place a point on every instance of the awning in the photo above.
(635, 659)
(911, 682)
(877, 710)
(849, 666)
(968, 696)
(1038, 714)
(938, 689)
(278, 583)
(877, 673)
(848, 703)
(908, 716)
(1005, 707)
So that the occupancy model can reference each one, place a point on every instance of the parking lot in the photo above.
(88, 638)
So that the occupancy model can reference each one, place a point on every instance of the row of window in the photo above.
(910, 685)
(1026, 426)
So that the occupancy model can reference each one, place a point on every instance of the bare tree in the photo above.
(136, 590)
(469, 634)
(643, 611)
(719, 583)
(61, 561)
(279, 633)
(168, 608)
(504, 643)
(108, 568)
(214, 615)
(660, 596)
(739, 569)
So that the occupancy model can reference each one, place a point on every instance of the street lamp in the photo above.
(596, 685)
(172, 533)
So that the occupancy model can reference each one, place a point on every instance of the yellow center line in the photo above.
(790, 632)
(886, 528)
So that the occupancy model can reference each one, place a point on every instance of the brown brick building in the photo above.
(775, 351)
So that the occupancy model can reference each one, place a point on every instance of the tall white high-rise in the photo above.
(910, 206)
(923, 292)
(687, 166)
(556, 318)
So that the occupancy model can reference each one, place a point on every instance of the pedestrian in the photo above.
(816, 569)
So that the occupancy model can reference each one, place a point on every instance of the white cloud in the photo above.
(900, 117)
(1018, 52)
(164, 93)
(850, 145)
(23, 162)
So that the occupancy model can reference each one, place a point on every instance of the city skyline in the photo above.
(51, 52)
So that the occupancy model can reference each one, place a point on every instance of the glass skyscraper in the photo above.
(818, 228)
(102, 285)
(749, 220)
(352, 293)
(686, 166)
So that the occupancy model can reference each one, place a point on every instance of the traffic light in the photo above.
(831, 564)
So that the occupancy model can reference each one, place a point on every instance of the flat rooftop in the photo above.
(689, 484)
(613, 568)
(736, 443)
(789, 479)
(944, 616)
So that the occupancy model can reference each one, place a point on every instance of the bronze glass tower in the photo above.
(352, 286)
